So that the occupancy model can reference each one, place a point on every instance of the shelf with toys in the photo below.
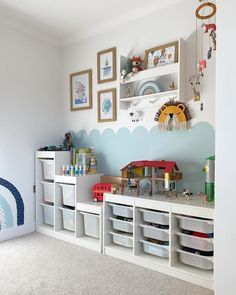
(154, 82)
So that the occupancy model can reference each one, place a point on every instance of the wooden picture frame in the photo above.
(81, 90)
(106, 105)
(161, 55)
(106, 65)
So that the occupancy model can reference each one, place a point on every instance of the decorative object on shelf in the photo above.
(172, 115)
(149, 87)
(67, 142)
(203, 6)
(211, 29)
(135, 115)
(195, 82)
(187, 194)
(209, 170)
(126, 72)
(81, 90)
(136, 62)
(107, 105)
(161, 55)
(172, 86)
(145, 187)
(106, 65)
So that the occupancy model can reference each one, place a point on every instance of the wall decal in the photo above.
(18, 199)
(189, 148)
(6, 217)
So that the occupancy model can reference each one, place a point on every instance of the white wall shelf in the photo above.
(170, 208)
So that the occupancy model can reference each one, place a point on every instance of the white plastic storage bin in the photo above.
(48, 214)
(196, 224)
(122, 239)
(196, 260)
(120, 210)
(91, 224)
(122, 225)
(48, 191)
(68, 217)
(155, 217)
(155, 249)
(48, 169)
(198, 243)
(68, 194)
(155, 233)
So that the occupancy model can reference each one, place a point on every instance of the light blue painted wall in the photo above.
(188, 148)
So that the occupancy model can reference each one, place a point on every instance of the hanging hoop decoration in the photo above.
(207, 4)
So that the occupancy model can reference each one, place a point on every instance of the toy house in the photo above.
(162, 176)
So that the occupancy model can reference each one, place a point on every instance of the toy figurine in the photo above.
(68, 141)
(201, 66)
(209, 170)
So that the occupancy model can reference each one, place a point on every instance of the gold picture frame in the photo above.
(106, 65)
(106, 105)
(161, 55)
(81, 90)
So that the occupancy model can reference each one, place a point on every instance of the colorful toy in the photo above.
(201, 66)
(99, 189)
(209, 170)
(172, 111)
(136, 62)
(162, 175)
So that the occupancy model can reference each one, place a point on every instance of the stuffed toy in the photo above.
(136, 61)
(127, 70)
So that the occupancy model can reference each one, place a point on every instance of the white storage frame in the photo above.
(171, 265)
(164, 75)
(82, 196)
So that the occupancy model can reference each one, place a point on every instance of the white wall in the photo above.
(30, 112)
(133, 38)
(225, 213)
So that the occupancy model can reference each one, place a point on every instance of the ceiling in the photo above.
(63, 22)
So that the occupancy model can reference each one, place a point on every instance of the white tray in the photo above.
(123, 211)
(155, 233)
(155, 217)
(68, 194)
(195, 260)
(48, 169)
(204, 244)
(48, 191)
(48, 214)
(91, 224)
(68, 218)
(196, 224)
(122, 225)
(122, 239)
(155, 249)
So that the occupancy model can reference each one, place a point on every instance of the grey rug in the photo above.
(37, 264)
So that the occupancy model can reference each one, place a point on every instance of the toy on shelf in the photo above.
(131, 67)
(136, 62)
(209, 170)
(161, 177)
(172, 115)
(99, 189)
(187, 194)
(67, 143)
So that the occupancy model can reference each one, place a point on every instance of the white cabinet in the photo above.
(174, 236)
(131, 89)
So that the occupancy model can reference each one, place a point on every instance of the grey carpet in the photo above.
(37, 264)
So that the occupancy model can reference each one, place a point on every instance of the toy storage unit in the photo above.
(156, 233)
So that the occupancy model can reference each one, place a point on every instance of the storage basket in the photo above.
(198, 243)
(120, 210)
(155, 249)
(122, 225)
(195, 260)
(155, 217)
(68, 217)
(48, 214)
(155, 233)
(68, 194)
(122, 239)
(48, 191)
(48, 169)
(196, 224)
(91, 224)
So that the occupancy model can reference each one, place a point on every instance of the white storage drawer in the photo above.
(91, 224)
(48, 191)
(196, 260)
(155, 233)
(48, 214)
(122, 239)
(155, 217)
(122, 225)
(68, 218)
(155, 249)
(198, 243)
(120, 210)
(68, 194)
(48, 169)
(196, 224)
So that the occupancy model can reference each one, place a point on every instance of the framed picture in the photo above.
(81, 90)
(106, 65)
(161, 55)
(107, 105)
